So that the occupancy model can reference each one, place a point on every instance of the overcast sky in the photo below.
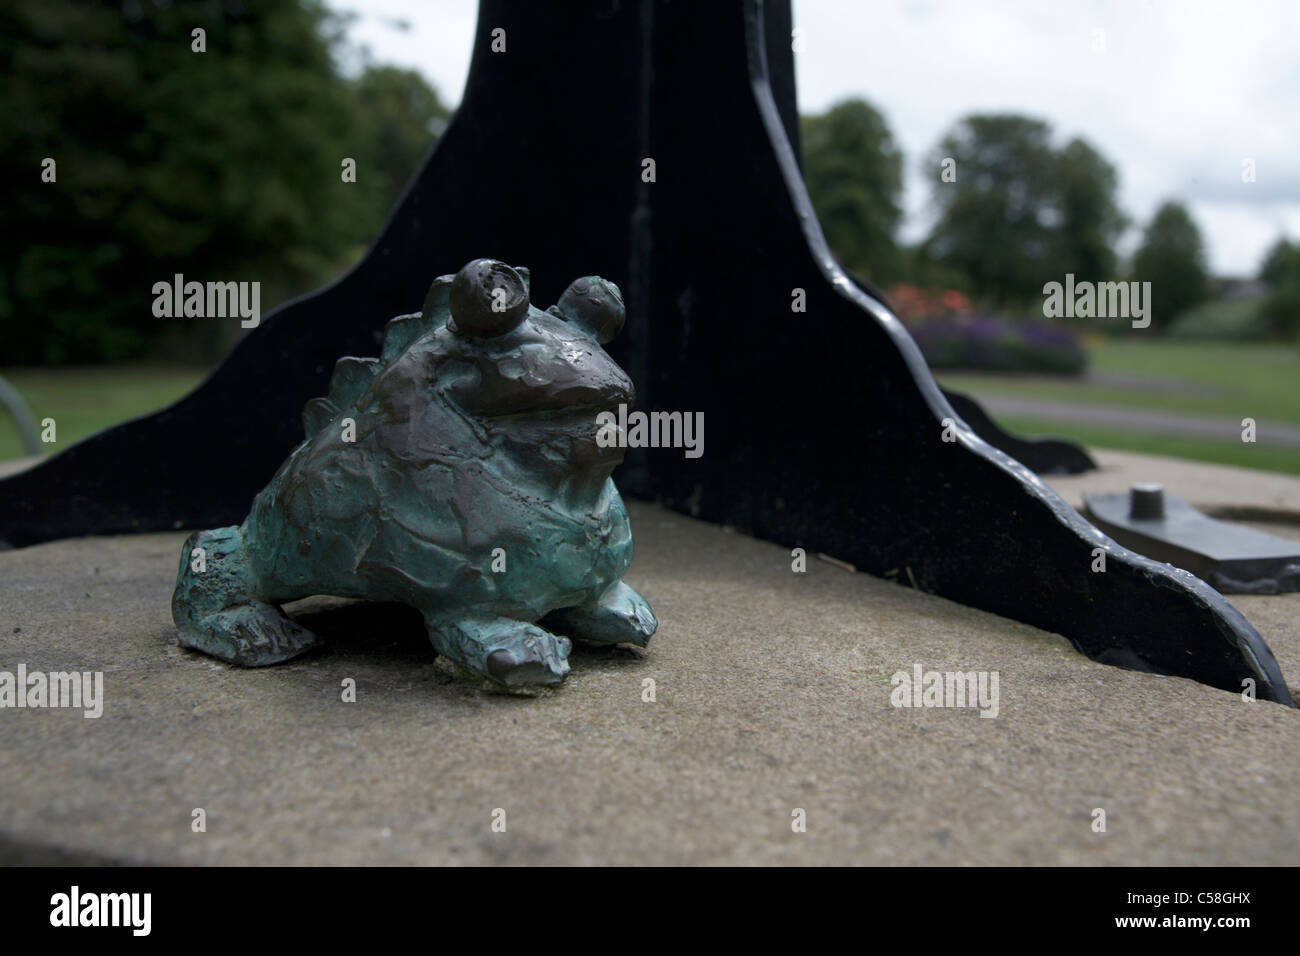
(1175, 93)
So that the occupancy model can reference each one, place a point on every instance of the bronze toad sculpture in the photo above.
(458, 473)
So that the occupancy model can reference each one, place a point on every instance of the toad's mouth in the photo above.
(547, 395)
(568, 414)
(567, 401)
(590, 432)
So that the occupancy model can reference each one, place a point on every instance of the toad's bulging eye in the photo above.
(595, 305)
(488, 298)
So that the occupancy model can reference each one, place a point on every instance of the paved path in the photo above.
(1138, 420)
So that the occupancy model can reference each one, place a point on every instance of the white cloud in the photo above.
(1183, 91)
(437, 43)
(1180, 94)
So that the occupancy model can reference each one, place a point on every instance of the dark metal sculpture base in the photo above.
(1041, 455)
(823, 427)
(1233, 558)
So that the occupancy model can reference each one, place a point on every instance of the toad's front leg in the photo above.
(618, 616)
(510, 652)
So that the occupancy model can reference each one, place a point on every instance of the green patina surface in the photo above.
(460, 473)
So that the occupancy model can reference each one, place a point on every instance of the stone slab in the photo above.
(772, 693)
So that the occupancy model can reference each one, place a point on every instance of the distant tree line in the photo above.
(1012, 211)
(1281, 270)
(134, 148)
(145, 138)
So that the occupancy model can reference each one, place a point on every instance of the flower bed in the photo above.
(952, 336)
(985, 342)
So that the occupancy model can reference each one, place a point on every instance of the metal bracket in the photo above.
(825, 427)
(1164, 527)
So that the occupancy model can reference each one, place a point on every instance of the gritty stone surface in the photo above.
(772, 693)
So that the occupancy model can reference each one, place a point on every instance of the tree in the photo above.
(1013, 212)
(400, 118)
(1282, 259)
(1172, 258)
(854, 173)
(222, 165)
(1091, 220)
(1281, 310)
(994, 219)
(1281, 270)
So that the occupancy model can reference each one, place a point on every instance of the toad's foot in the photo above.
(619, 616)
(510, 652)
(218, 612)
(250, 635)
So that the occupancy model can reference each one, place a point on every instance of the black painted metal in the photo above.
(1043, 456)
(823, 428)
(1230, 556)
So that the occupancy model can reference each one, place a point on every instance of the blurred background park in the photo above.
(1078, 142)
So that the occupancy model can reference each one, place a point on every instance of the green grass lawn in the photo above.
(1267, 457)
(1210, 379)
(1256, 380)
(83, 401)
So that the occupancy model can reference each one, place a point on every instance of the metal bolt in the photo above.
(1146, 500)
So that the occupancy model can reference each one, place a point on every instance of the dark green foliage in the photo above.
(1021, 212)
(1091, 218)
(400, 117)
(1282, 259)
(1172, 259)
(222, 165)
(1281, 310)
(854, 173)
(1281, 270)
